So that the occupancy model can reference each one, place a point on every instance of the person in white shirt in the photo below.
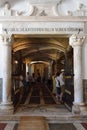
(58, 89)
(62, 84)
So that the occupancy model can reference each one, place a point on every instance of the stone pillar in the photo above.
(5, 74)
(50, 68)
(27, 69)
(76, 41)
(30, 66)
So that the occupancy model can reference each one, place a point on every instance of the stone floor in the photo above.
(51, 117)
(41, 125)
(33, 123)
(9, 126)
(42, 115)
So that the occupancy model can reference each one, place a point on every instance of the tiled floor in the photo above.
(66, 126)
(2, 126)
(84, 125)
(42, 125)
(8, 126)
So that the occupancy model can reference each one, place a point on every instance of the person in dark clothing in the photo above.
(49, 83)
(38, 77)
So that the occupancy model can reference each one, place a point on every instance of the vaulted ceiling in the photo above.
(43, 48)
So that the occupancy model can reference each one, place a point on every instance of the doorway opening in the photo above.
(46, 55)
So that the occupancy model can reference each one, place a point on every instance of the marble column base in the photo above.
(77, 108)
(6, 108)
(82, 107)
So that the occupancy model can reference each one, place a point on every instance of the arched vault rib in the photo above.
(39, 58)
(40, 55)
(44, 62)
(44, 49)
(40, 47)
(30, 42)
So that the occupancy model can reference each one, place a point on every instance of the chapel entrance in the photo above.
(46, 54)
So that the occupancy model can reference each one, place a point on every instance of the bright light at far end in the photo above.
(16, 62)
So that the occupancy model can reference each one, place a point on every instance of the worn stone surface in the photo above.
(33, 123)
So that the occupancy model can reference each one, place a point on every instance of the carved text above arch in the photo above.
(43, 27)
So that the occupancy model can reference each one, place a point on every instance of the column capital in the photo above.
(76, 40)
(5, 38)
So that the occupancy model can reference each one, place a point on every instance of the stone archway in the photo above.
(49, 26)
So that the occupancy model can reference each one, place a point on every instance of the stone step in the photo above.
(33, 123)
(62, 118)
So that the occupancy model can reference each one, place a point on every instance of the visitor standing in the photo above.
(62, 84)
(58, 88)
